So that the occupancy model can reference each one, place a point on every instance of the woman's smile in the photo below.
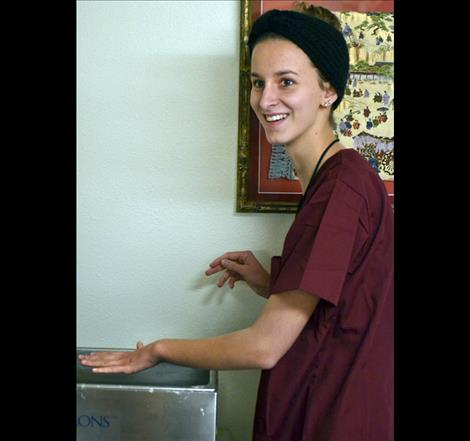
(275, 117)
(274, 120)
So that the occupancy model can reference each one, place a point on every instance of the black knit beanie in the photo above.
(322, 43)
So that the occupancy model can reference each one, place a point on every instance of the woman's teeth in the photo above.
(271, 118)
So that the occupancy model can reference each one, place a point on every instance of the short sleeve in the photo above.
(319, 246)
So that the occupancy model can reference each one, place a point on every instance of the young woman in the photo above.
(325, 337)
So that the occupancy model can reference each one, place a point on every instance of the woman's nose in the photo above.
(269, 97)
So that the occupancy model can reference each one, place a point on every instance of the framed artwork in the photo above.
(266, 181)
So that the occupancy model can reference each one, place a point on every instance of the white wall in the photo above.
(157, 119)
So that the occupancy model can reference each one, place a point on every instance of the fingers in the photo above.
(108, 363)
(104, 359)
(214, 270)
(94, 362)
(229, 277)
(102, 363)
(217, 261)
(234, 267)
(108, 355)
(216, 265)
(235, 264)
(121, 369)
(231, 282)
(225, 276)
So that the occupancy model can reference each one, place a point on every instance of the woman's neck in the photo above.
(305, 155)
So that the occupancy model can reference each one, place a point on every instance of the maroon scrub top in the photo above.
(336, 382)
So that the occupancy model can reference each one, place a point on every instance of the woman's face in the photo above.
(285, 93)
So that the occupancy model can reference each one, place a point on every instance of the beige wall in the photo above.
(157, 117)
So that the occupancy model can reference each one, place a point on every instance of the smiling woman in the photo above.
(299, 69)
(324, 339)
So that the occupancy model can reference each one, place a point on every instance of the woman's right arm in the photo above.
(241, 265)
(259, 346)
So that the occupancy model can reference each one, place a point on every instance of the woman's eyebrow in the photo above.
(279, 74)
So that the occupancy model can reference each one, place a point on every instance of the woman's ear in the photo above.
(329, 95)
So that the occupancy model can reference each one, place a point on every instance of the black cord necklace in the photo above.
(315, 171)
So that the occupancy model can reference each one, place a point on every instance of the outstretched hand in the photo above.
(127, 362)
(241, 265)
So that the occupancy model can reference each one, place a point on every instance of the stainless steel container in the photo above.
(164, 403)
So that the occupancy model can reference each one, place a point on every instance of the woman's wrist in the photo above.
(158, 350)
(263, 290)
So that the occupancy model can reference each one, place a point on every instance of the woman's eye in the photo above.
(286, 82)
(257, 84)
